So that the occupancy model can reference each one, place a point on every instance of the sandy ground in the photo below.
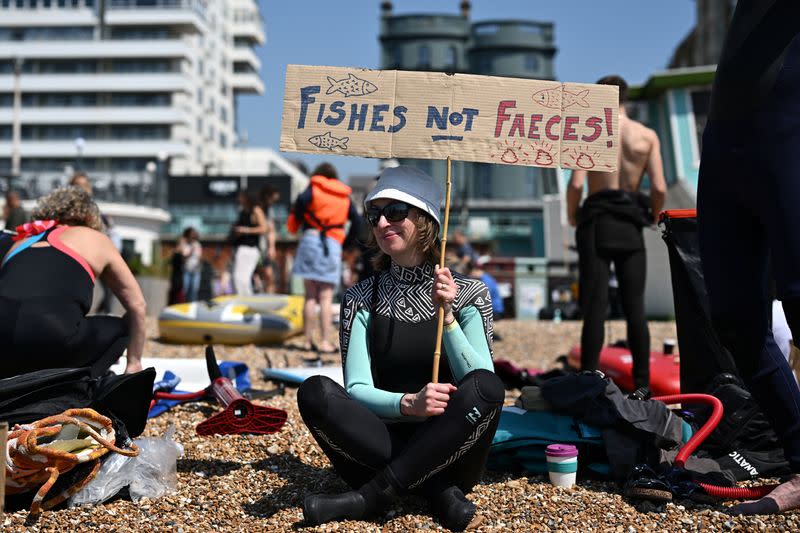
(257, 483)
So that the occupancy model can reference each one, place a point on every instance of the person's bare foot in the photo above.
(326, 347)
(305, 345)
(785, 497)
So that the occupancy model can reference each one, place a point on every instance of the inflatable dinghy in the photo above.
(616, 362)
(233, 320)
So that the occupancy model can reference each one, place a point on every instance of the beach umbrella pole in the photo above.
(440, 326)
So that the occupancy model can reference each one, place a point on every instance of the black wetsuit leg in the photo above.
(444, 450)
(747, 209)
(593, 273)
(594, 269)
(631, 269)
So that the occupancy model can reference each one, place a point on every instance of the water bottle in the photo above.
(557, 316)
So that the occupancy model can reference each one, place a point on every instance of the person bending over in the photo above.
(47, 279)
(389, 430)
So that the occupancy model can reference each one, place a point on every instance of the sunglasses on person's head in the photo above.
(394, 212)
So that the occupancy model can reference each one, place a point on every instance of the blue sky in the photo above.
(630, 38)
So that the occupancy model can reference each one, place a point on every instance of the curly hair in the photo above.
(427, 240)
(71, 206)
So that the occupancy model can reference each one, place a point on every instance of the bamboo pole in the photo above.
(440, 326)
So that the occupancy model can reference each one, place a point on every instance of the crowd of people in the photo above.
(391, 428)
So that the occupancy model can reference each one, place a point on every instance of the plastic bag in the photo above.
(152, 474)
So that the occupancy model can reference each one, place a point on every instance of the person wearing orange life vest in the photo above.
(321, 211)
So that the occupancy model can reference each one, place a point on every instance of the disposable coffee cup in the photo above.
(669, 346)
(562, 464)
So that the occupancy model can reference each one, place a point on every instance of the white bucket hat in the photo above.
(410, 185)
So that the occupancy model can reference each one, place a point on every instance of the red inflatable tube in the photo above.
(703, 432)
(737, 493)
(178, 396)
(181, 396)
(734, 493)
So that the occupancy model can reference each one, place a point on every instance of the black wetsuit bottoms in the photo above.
(748, 210)
(425, 457)
(603, 240)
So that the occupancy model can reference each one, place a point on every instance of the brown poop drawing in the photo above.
(543, 158)
(584, 161)
(509, 156)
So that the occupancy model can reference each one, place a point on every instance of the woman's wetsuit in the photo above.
(387, 343)
(45, 293)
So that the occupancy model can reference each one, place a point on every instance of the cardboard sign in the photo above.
(432, 115)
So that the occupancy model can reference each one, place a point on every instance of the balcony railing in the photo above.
(198, 6)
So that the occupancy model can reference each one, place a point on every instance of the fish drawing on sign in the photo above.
(552, 98)
(329, 142)
(351, 86)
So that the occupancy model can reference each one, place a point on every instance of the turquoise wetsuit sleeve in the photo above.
(466, 345)
(358, 374)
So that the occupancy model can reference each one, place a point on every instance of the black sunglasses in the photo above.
(394, 212)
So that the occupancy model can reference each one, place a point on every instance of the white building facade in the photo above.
(129, 91)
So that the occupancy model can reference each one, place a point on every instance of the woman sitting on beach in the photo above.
(389, 431)
(47, 280)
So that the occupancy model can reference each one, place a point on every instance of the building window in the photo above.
(531, 62)
(424, 57)
(452, 59)
(484, 64)
(486, 29)
(223, 140)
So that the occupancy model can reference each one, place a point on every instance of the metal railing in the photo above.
(198, 6)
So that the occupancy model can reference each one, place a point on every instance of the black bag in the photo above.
(703, 357)
(36, 395)
(744, 441)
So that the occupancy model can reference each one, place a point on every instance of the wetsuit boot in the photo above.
(453, 509)
(366, 502)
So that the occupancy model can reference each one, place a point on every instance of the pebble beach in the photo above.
(257, 483)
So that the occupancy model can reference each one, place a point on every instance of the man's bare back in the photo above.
(640, 153)
(637, 142)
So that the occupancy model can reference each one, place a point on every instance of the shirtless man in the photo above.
(609, 228)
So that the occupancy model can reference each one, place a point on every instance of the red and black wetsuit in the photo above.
(45, 294)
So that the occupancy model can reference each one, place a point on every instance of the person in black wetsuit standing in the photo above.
(389, 430)
(609, 229)
(47, 276)
(748, 190)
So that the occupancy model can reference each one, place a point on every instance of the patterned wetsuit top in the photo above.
(389, 352)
